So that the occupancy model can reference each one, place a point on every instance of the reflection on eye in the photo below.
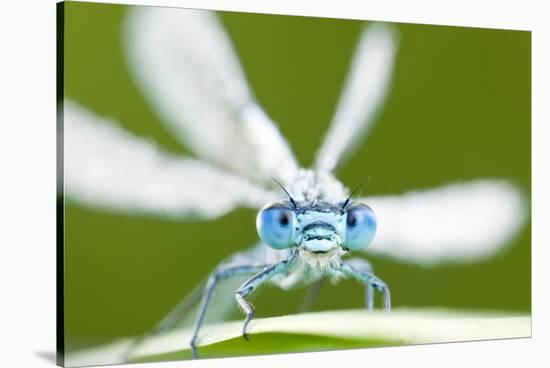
(360, 226)
(275, 225)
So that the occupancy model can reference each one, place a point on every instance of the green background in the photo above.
(459, 109)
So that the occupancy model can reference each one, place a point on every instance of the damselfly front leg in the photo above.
(223, 272)
(355, 268)
(252, 283)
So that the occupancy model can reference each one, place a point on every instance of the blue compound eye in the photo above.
(275, 225)
(360, 226)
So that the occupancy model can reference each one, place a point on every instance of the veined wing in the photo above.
(364, 92)
(108, 167)
(455, 223)
(186, 66)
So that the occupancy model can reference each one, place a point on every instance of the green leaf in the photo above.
(318, 331)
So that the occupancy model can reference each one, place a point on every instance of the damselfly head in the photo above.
(317, 227)
(317, 221)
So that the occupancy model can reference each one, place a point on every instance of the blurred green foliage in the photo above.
(459, 109)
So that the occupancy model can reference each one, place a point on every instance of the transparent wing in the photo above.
(222, 305)
(186, 66)
(364, 91)
(222, 302)
(455, 223)
(107, 167)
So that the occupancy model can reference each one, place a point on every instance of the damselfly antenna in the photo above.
(350, 196)
(286, 191)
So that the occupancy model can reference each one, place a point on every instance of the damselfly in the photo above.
(309, 222)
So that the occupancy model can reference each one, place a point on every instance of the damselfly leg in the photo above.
(364, 266)
(223, 272)
(252, 283)
(355, 268)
